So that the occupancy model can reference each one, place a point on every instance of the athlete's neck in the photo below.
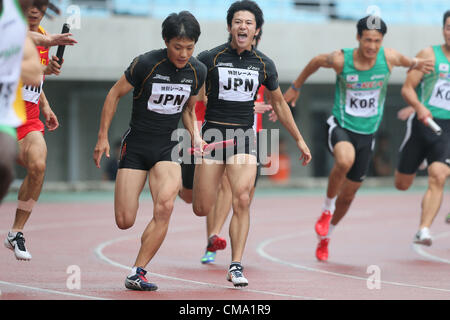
(446, 48)
(364, 60)
(34, 28)
(239, 50)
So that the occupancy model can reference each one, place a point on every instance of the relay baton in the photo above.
(60, 51)
(214, 146)
(434, 126)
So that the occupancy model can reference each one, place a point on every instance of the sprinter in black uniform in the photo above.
(166, 83)
(235, 72)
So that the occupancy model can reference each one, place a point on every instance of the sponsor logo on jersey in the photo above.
(377, 76)
(253, 68)
(186, 80)
(158, 76)
(352, 78)
(224, 64)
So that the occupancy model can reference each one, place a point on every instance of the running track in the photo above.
(78, 229)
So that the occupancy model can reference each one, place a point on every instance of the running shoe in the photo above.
(323, 223)
(236, 276)
(423, 236)
(216, 243)
(16, 243)
(322, 249)
(448, 218)
(139, 282)
(208, 257)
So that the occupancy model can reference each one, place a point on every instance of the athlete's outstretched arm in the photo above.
(333, 60)
(50, 40)
(396, 59)
(284, 115)
(32, 69)
(412, 81)
(120, 88)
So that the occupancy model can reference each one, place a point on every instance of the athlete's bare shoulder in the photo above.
(426, 53)
(334, 60)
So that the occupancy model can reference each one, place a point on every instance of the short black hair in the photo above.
(246, 5)
(181, 25)
(371, 23)
(446, 15)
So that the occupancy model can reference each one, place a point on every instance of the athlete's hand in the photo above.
(261, 107)
(101, 147)
(423, 114)
(60, 39)
(306, 154)
(404, 113)
(273, 116)
(199, 145)
(53, 66)
(51, 121)
(424, 65)
(291, 96)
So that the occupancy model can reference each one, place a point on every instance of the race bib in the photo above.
(440, 97)
(168, 98)
(362, 104)
(237, 84)
(32, 94)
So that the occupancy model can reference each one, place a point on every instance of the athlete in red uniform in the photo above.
(32, 147)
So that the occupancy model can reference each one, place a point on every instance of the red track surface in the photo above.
(279, 260)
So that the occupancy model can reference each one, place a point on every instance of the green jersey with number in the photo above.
(434, 89)
(360, 95)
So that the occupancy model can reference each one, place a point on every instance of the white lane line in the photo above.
(82, 296)
(101, 256)
(419, 249)
(264, 254)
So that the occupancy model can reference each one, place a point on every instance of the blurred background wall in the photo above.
(110, 33)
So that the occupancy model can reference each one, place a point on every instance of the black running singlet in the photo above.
(161, 90)
(232, 83)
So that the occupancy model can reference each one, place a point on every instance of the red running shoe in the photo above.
(322, 249)
(323, 223)
(216, 243)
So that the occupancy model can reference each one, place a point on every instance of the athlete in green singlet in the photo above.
(362, 75)
(429, 95)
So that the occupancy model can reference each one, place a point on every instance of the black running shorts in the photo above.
(362, 143)
(141, 150)
(421, 143)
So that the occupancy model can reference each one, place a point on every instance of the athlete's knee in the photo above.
(123, 219)
(185, 195)
(437, 179)
(37, 168)
(344, 164)
(241, 198)
(163, 209)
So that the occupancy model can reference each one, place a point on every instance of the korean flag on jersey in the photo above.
(168, 98)
(237, 84)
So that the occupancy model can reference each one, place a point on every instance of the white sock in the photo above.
(12, 234)
(330, 230)
(330, 204)
(133, 271)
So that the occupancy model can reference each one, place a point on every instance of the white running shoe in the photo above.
(236, 276)
(423, 236)
(16, 243)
